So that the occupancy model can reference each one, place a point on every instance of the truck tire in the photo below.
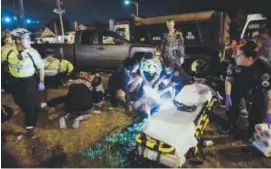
(197, 65)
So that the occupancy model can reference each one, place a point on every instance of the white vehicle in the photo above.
(253, 25)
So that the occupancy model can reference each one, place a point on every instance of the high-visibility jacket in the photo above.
(52, 66)
(66, 66)
(22, 64)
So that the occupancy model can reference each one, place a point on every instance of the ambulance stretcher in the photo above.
(174, 133)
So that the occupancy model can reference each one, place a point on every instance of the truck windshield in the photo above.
(254, 28)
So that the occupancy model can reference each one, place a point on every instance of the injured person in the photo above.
(176, 124)
(80, 100)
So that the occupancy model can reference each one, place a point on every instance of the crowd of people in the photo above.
(248, 73)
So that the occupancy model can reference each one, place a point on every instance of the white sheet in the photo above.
(175, 127)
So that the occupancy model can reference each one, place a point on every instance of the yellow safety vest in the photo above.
(66, 66)
(21, 65)
(52, 66)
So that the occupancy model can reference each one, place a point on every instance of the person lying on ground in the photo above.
(78, 102)
(125, 84)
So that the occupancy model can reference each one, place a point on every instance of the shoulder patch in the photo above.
(229, 72)
(266, 77)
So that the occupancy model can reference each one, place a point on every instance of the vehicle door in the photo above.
(113, 49)
(86, 50)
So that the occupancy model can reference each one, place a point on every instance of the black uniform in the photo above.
(78, 99)
(257, 78)
(235, 71)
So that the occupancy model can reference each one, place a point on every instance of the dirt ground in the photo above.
(59, 148)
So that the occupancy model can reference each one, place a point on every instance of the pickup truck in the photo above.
(97, 49)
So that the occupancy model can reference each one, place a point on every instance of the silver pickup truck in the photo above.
(97, 49)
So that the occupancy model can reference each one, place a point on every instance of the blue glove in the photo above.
(228, 102)
(268, 118)
(41, 86)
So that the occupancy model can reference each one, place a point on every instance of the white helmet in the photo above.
(21, 33)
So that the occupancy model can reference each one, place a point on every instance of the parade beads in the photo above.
(114, 150)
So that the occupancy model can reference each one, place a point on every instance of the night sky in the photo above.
(87, 11)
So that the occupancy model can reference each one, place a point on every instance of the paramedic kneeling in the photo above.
(170, 80)
(125, 83)
(23, 62)
(258, 79)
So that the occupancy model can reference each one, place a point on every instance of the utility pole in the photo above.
(60, 11)
(22, 13)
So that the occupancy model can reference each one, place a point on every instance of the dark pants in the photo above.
(257, 111)
(55, 101)
(239, 90)
(25, 95)
(52, 81)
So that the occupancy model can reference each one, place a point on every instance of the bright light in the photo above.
(28, 21)
(7, 19)
(127, 2)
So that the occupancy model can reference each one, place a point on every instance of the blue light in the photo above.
(127, 2)
(28, 21)
(7, 19)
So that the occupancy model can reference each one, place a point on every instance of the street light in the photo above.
(28, 21)
(127, 2)
(7, 19)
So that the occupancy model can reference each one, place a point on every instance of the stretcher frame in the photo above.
(201, 122)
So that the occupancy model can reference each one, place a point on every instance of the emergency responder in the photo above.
(257, 78)
(170, 80)
(23, 63)
(80, 99)
(6, 77)
(234, 71)
(173, 45)
(150, 68)
(55, 68)
(125, 84)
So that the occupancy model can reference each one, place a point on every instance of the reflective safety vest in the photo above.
(66, 66)
(85, 82)
(52, 66)
(23, 64)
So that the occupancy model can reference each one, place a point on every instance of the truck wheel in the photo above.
(197, 65)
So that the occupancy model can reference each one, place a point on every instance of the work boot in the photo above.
(62, 123)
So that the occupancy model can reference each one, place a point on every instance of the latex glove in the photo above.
(268, 118)
(41, 86)
(228, 102)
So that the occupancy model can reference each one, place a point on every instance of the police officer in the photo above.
(257, 78)
(234, 71)
(55, 68)
(23, 62)
(173, 45)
